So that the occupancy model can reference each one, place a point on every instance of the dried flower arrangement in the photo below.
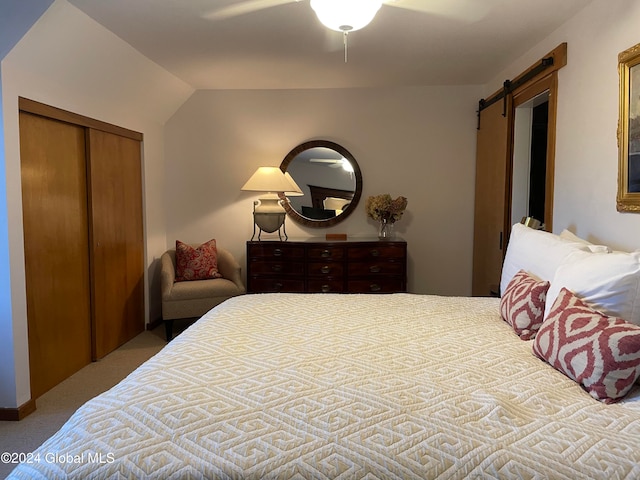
(385, 209)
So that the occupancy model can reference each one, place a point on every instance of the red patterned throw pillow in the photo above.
(600, 353)
(522, 304)
(196, 263)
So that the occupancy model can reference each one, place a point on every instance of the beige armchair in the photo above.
(194, 298)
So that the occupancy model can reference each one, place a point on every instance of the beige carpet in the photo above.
(59, 403)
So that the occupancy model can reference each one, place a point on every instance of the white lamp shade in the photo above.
(345, 15)
(270, 179)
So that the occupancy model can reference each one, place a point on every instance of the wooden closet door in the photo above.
(492, 160)
(56, 243)
(115, 183)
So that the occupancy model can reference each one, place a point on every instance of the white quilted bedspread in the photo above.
(401, 386)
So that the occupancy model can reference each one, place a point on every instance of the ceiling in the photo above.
(284, 46)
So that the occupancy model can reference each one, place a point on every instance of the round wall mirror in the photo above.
(330, 180)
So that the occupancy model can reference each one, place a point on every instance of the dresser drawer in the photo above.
(274, 285)
(381, 267)
(375, 252)
(376, 285)
(325, 269)
(267, 250)
(276, 268)
(325, 253)
(321, 285)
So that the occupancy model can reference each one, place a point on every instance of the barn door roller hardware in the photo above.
(509, 86)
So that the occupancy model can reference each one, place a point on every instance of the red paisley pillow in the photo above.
(522, 304)
(196, 263)
(600, 353)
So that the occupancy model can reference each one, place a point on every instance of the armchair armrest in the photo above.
(167, 273)
(230, 269)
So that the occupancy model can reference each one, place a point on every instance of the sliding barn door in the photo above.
(117, 239)
(492, 158)
(494, 166)
(56, 243)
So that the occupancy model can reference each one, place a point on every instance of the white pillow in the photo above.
(536, 252)
(609, 283)
(572, 237)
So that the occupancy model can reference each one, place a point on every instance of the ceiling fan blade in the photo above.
(241, 8)
(463, 10)
(331, 162)
(325, 160)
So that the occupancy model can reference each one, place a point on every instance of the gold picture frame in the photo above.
(628, 198)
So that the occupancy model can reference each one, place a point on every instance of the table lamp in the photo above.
(268, 213)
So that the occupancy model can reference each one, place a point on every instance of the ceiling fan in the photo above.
(334, 163)
(350, 15)
(463, 10)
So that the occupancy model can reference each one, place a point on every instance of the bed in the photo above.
(346, 386)
(318, 386)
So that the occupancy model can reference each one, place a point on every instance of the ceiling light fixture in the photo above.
(346, 15)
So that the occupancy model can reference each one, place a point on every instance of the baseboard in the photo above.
(156, 323)
(16, 414)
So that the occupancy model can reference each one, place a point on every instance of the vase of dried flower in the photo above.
(385, 230)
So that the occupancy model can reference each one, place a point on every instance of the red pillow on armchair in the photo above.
(199, 263)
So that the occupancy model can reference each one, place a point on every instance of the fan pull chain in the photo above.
(346, 34)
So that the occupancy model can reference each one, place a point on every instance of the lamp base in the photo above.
(269, 216)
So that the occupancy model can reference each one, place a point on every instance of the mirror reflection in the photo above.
(330, 180)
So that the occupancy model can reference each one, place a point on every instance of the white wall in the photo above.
(586, 146)
(416, 142)
(16, 17)
(69, 61)
(7, 354)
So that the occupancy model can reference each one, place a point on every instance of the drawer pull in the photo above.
(276, 268)
(277, 252)
(374, 269)
(375, 253)
(325, 269)
(325, 254)
(325, 288)
(374, 287)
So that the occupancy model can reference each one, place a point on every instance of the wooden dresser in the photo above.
(358, 265)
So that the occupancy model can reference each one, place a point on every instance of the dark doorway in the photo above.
(538, 173)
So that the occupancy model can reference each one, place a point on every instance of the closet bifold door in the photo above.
(492, 155)
(56, 249)
(117, 257)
